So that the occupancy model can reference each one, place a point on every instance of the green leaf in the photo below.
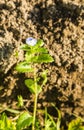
(20, 101)
(39, 50)
(39, 43)
(31, 85)
(42, 50)
(23, 67)
(59, 119)
(42, 79)
(44, 76)
(44, 58)
(25, 47)
(24, 120)
(6, 124)
(12, 111)
(76, 125)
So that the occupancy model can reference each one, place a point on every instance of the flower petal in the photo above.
(31, 41)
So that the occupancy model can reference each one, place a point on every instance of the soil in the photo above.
(60, 23)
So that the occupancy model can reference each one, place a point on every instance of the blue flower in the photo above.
(31, 41)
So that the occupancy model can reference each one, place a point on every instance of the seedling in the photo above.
(35, 54)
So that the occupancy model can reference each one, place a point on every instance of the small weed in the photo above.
(35, 54)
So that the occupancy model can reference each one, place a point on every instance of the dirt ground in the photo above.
(60, 23)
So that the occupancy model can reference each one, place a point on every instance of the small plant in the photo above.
(50, 124)
(35, 54)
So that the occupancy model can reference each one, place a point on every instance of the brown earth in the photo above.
(60, 23)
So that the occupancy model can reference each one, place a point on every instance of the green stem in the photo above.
(34, 112)
(35, 103)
